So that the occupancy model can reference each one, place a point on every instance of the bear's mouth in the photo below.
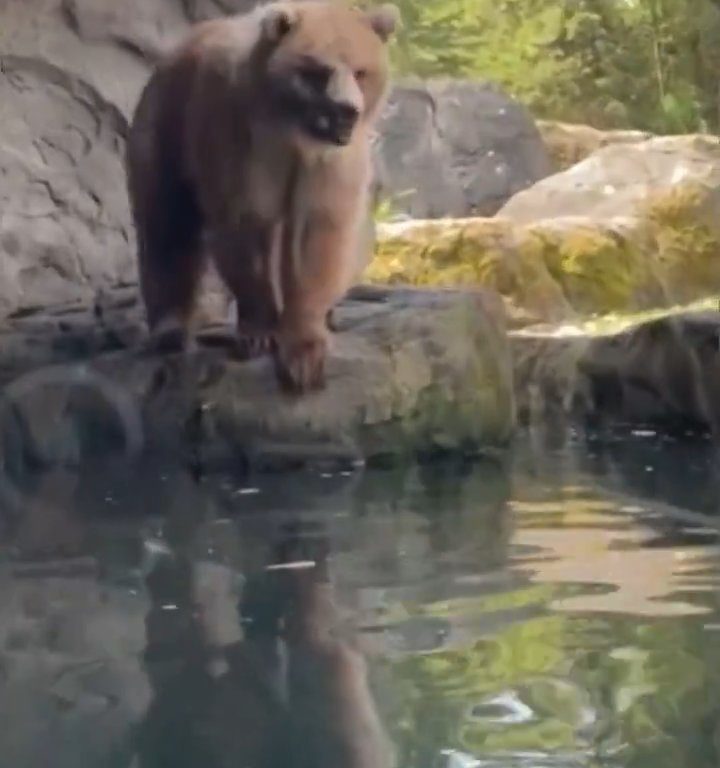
(332, 125)
(321, 119)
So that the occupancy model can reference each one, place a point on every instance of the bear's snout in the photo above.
(344, 118)
(333, 122)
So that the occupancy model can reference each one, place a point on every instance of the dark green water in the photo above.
(559, 611)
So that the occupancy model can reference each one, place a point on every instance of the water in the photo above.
(558, 611)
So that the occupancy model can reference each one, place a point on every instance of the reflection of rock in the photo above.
(73, 631)
(587, 549)
(648, 480)
(631, 227)
(454, 148)
(71, 670)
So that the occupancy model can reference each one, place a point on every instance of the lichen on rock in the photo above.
(590, 241)
(683, 227)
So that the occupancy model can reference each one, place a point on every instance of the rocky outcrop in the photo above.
(570, 143)
(412, 373)
(593, 264)
(631, 228)
(663, 372)
(617, 180)
(455, 148)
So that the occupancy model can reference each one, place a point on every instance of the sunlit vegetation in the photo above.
(647, 64)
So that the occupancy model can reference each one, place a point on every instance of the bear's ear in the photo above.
(277, 21)
(384, 20)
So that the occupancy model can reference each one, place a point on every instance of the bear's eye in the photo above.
(315, 77)
(360, 74)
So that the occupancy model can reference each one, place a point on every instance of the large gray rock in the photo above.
(615, 181)
(70, 73)
(663, 372)
(456, 148)
(411, 372)
(64, 227)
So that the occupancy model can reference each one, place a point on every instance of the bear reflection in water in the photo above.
(293, 692)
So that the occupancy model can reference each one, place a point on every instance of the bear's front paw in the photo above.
(300, 361)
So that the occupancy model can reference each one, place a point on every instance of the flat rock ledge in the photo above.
(411, 373)
(661, 373)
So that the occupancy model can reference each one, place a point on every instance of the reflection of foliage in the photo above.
(646, 692)
(652, 64)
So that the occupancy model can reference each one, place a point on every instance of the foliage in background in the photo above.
(647, 64)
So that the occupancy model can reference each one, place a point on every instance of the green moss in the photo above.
(466, 402)
(467, 252)
(683, 226)
(599, 270)
(669, 254)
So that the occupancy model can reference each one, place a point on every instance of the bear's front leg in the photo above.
(245, 259)
(311, 289)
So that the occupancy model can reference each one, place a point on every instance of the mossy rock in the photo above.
(666, 252)
(409, 373)
(467, 252)
(570, 143)
(683, 227)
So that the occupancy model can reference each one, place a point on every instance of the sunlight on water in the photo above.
(588, 541)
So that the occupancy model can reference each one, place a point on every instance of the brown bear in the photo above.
(251, 144)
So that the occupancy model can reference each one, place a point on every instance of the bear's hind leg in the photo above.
(169, 228)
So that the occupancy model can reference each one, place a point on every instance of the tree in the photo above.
(650, 64)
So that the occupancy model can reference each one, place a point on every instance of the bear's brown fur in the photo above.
(251, 144)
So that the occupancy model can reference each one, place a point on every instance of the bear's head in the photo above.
(326, 66)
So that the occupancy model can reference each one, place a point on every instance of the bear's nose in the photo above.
(344, 118)
(347, 111)
(346, 115)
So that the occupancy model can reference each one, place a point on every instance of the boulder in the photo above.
(662, 372)
(617, 180)
(455, 148)
(569, 143)
(454, 252)
(412, 373)
(631, 228)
